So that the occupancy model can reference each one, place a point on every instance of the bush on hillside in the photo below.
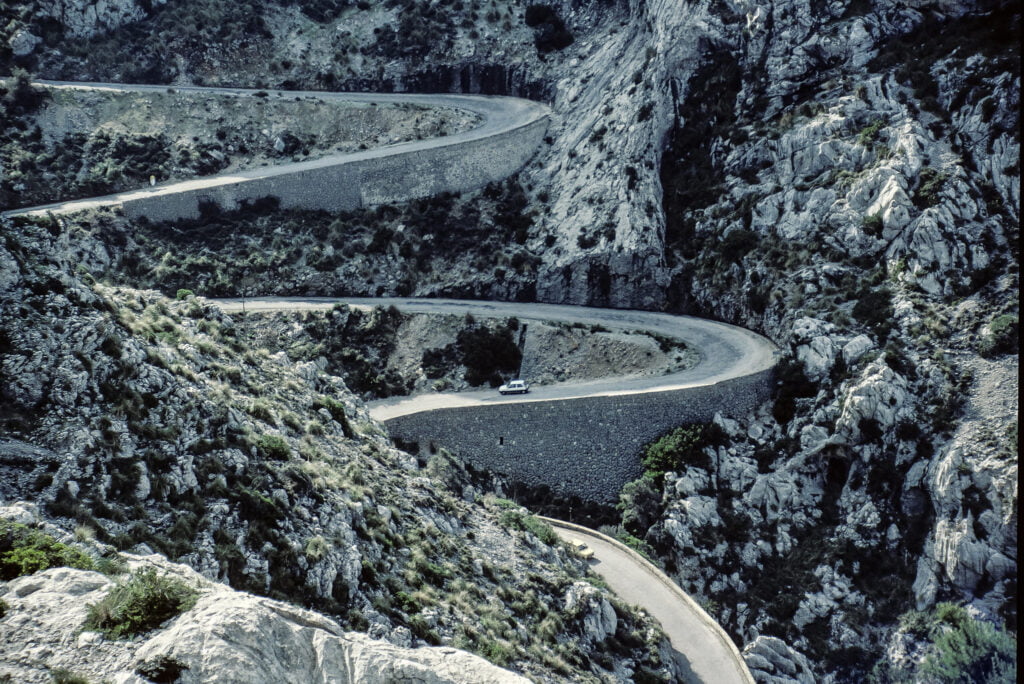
(549, 30)
(487, 353)
(961, 649)
(1003, 336)
(682, 446)
(140, 604)
(24, 551)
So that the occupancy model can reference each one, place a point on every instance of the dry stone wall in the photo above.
(589, 447)
(369, 179)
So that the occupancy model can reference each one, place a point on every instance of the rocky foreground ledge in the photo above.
(227, 636)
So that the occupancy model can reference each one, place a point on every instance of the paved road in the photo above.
(725, 350)
(704, 651)
(498, 115)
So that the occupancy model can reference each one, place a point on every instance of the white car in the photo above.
(514, 387)
(581, 549)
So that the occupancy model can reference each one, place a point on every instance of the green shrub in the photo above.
(684, 445)
(317, 547)
(874, 309)
(24, 551)
(968, 650)
(869, 134)
(734, 246)
(486, 353)
(1003, 336)
(419, 628)
(637, 544)
(261, 410)
(273, 447)
(872, 225)
(63, 676)
(931, 183)
(498, 652)
(139, 604)
(518, 520)
(162, 669)
(337, 411)
(184, 293)
(961, 650)
(640, 505)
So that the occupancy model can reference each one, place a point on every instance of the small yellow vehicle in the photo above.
(581, 549)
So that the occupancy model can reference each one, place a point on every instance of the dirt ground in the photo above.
(552, 352)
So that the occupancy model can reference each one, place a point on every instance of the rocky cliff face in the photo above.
(843, 177)
(862, 209)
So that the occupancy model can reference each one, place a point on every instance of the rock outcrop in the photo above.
(228, 636)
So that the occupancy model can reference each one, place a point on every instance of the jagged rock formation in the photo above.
(842, 177)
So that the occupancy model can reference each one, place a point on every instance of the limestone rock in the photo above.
(598, 614)
(856, 348)
(22, 42)
(879, 395)
(227, 636)
(772, 660)
(83, 18)
(814, 348)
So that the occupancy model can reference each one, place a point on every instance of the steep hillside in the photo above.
(185, 627)
(150, 424)
(842, 177)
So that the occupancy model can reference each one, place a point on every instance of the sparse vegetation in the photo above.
(930, 184)
(140, 603)
(869, 134)
(1002, 338)
(960, 648)
(24, 551)
(61, 675)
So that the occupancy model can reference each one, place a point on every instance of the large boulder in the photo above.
(227, 636)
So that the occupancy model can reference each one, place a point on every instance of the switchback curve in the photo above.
(726, 352)
(508, 135)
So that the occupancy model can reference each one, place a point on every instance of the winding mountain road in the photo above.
(725, 351)
(499, 116)
(704, 652)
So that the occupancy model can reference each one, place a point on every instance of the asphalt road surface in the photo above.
(726, 351)
(703, 652)
(498, 115)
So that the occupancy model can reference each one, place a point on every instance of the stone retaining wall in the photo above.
(589, 447)
(373, 179)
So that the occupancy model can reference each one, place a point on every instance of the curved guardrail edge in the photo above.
(701, 614)
(532, 113)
